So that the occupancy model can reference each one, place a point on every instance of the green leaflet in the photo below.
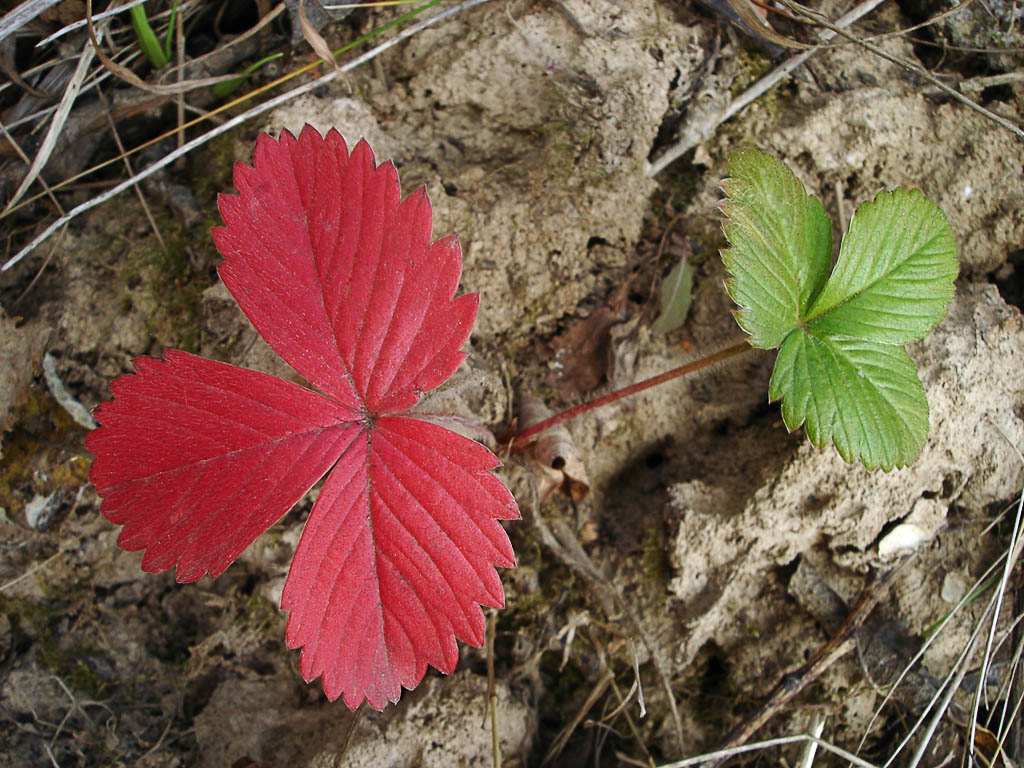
(781, 246)
(842, 369)
(675, 298)
(158, 55)
(862, 396)
(894, 277)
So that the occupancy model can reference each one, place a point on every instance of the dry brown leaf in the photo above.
(581, 353)
(553, 457)
(314, 38)
(56, 122)
(20, 351)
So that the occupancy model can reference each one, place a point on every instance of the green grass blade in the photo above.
(169, 37)
(398, 20)
(225, 89)
(149, 44)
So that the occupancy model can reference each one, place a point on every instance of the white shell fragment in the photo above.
(905, 537)
(40, 511)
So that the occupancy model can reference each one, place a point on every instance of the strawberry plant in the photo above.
(842, 370)
(196, 458)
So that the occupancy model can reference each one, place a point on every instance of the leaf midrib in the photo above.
(887, 275)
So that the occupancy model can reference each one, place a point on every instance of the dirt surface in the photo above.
(714, 553)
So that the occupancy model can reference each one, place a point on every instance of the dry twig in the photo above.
(908, 65)
(791, 684)
(698, 132)
(568, 550)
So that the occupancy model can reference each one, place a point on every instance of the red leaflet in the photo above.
(196, 458)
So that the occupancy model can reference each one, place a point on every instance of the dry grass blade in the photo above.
(748, 14)
(929, 641)
(952, 685)
(492, 697)
(14, 20)
(1013, 554)
(566, 733)
(725, 754)
(623, 701)
(235, 122)
(228, 106)
(7, 67)
(807, 758)
(1009, 727)
(179, 36)
(34, 569)
(128, 165)
(946, 690)
(960, 668)
(57, 122)
(18, 151)
(83, 22)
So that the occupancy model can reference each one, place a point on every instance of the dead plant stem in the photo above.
(128, 165)
(566, 547)
(1013, 553)
(179, 35)
(623, 701)
(492, 696)
(724, 754)
(791, 684)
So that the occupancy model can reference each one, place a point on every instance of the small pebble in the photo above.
(954, 587)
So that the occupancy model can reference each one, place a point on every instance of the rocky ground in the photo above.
(714, 552)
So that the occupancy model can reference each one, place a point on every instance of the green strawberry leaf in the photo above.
(781, 246)
(842, 369)
(894, 277)
(862, 396)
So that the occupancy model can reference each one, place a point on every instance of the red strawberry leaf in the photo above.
(339, 276)
(378, 585)
(196, 458)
